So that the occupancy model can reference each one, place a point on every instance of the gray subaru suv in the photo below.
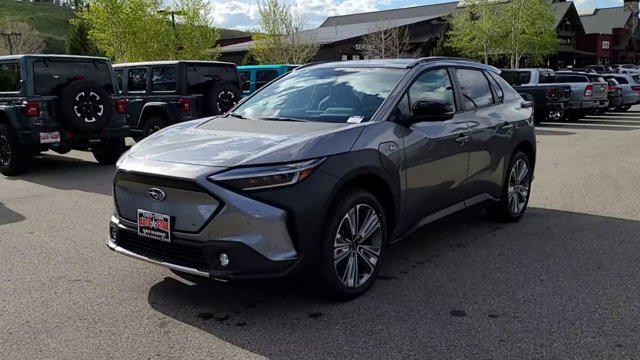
(323, 168)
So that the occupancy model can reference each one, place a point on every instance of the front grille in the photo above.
(174, 253)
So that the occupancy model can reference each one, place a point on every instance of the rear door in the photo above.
(490, 129)
(436, 156)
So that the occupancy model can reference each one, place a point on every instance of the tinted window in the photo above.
(245, 79)
(324, 94)
(622, 80)
(475, 88)
(50, 75)
(432, 85)
(137, 79)
(9, 77)
(547, 78)
(264, 76)
(516, 77)
(201, 76)
(496, 88)
(163, 78)
(120, 78)
(565, 78)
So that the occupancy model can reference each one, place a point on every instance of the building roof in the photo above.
(434, 10)
(332, 34)
(602, 21)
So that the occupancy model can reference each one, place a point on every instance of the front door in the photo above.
(436, 156)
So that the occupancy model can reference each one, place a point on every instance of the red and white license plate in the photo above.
(154, 226)
(49, 137)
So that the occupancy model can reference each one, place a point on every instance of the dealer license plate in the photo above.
(154, 226)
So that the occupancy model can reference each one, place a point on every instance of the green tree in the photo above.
(281, 38)
(527, 28)
(137, 30)
(474, 30)
(78, 41)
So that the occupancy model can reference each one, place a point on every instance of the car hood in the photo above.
(228, 141)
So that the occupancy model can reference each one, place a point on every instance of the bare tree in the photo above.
(23, 39)
(386, 42)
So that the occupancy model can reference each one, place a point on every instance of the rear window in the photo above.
(621, 80)
(263, 77)
(50, 75)
(163, 78)
(202, 76)
(597, 79)
(564, 78)
(516, 77)
(9, 77)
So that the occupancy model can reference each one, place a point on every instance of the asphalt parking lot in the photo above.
(561, 283)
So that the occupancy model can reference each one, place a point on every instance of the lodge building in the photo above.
(604, 36)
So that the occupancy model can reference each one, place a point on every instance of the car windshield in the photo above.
(324, 95)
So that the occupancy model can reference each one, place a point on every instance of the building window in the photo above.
(565, 40)
(345, 57)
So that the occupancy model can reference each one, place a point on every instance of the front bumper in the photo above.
(207, 221)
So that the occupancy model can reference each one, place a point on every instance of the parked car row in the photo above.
(572, 95)
(60, 103)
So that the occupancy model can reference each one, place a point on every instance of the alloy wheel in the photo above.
(519, 186)
(226, 100)
(357, 246)
(5, 150)
(154, 129)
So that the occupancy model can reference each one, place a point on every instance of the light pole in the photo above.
(173, 13)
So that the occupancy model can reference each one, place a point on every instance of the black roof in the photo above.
(52, 56)
(173, 62)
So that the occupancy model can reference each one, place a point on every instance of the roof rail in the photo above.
(310, 64)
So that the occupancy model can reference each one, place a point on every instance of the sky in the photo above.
(243, 14)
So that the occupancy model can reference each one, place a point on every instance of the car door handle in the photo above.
(463, 139)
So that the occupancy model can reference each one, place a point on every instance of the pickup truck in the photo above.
(588, 93)
(536, 85)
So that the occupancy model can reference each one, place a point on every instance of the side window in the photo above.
(137, 79)
(264, 76)
(9, 77)
(475, 88)
(163, 78)
(432, 85)
(120, 78)
(245, 80)
(496, 88)
(622, 80)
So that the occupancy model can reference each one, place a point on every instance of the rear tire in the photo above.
(352, 244)
(153, 124)
(108, 152)
(14, 157)
(516, 190)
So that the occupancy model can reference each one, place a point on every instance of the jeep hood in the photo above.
(228, 141)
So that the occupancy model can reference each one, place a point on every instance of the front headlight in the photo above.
(264, 177)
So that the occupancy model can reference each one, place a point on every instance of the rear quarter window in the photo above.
(9, 77)
(50, 75)
(509, 93)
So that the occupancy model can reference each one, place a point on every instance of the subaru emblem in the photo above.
(156, 194)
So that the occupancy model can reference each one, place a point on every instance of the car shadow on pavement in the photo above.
(8, 216)
(540, 132)
(69, 173)
(555, 283)
(586, 125)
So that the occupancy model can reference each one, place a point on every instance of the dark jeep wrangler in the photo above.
(59, 103)
(168, 92)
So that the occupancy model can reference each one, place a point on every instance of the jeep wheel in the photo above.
(222, 98)
(84, 107)
(108, 152)
(14, 158)
(153, 124)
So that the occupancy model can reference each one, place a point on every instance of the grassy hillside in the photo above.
(52, 21)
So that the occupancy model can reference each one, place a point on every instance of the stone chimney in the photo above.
(632, 5)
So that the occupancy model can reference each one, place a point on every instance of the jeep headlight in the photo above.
(264, 177)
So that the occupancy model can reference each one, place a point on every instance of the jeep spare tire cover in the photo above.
(84, 107)
(221, 98)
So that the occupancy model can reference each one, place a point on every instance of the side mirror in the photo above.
(429, 110)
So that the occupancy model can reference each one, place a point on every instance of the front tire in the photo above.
(516, 190)
(108, 152)
(14, 158)
(352, 245)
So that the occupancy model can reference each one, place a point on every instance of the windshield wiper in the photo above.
(238, 116)
(282, 119)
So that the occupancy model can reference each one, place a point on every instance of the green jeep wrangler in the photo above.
(59, 103)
